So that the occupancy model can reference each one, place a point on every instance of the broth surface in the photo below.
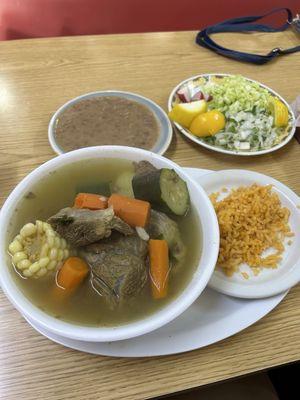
(106, 120)
(86, 307)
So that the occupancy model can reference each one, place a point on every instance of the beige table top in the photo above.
(37, 76)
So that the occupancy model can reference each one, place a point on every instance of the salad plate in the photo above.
(257, 120)
(212, 317)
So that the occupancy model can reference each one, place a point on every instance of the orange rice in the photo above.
(251, 220)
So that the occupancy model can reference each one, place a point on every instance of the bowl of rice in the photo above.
(259, 222)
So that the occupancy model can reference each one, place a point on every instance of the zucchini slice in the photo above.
(123, 184)
(163, 188)
(174, 192)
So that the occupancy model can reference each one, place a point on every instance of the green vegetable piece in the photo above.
(164, 189)
(123, 184)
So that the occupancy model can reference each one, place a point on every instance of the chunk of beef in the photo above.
(143, 167)
(81, 227)
(118, 267)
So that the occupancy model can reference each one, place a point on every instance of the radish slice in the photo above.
(207, 97)
(183, 95)
(197, 96)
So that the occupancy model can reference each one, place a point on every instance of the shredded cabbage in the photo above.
(249, 120)
(233, 94)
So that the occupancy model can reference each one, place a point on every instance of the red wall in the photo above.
(40, 18)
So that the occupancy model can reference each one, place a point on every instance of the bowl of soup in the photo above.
(106, 243)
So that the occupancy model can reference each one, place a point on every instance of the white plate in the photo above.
(197, 140)
(270, 281)
(165, 126)
(213, 317)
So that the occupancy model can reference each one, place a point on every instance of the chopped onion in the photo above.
(142, 233)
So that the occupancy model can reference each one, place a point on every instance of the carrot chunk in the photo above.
(90, 201)
(159, 267)
(69, 277)
(72, 273)
(132, 211)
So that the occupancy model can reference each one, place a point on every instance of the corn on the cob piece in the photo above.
(38, 249)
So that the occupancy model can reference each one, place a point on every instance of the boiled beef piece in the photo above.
(81, 227)
(143, 167)
(118, 266)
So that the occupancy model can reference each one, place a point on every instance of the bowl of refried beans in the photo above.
(110, 118)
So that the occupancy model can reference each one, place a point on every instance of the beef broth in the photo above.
(107, 120)
(86, 307)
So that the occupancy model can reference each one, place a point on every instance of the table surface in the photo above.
(36, 77)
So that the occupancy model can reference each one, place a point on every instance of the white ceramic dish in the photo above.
(201, 142)
(211, 318)
(200, 278)
(166, 131)
(269, 282)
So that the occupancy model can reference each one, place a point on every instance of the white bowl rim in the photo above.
(51, 127)
(152, 322)
(186, 133)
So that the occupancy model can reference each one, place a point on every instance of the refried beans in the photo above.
(106, 120)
